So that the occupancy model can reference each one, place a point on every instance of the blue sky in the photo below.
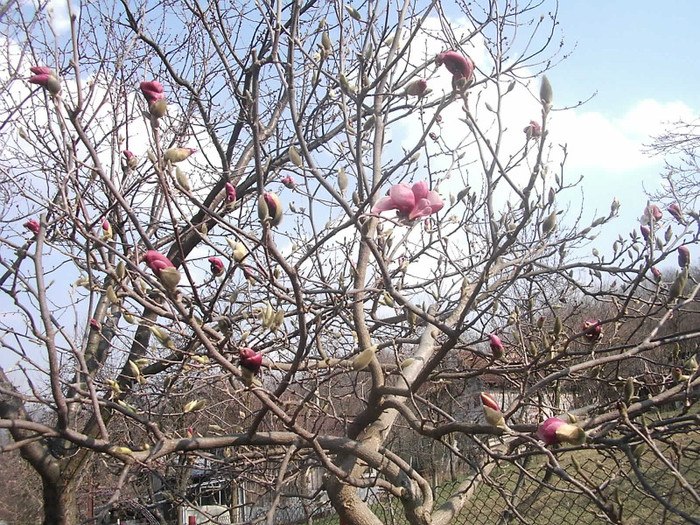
(629, 51)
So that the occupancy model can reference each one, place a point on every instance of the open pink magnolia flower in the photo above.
(216, 265)
(411, 202)
(157, 262)
(459, 65)
(554, 431)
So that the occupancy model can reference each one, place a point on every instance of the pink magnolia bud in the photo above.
(433, 135)
(683, 256)
(106, 230)
(94, 323)
(131, 160)
(152, 91)
(656, 273)
(157, 261)
(676, 212)
(270, 209)
(656, 212)
(288, 182)
(592, 330)
(45, 78)
(496, 346)
(216, 265)
(249, 275)
(230, 193)
(492, 412)
(250, 359)
(460, 66)
(533, 130)
(645, 231)
(33, 226)
(417, 88)
(554, 431)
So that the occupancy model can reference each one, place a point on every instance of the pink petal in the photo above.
(384, 204)
(420, 190)
(436, 202)
(403, 198)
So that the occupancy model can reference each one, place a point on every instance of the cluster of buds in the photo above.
(216, 265)
(163, 269)
(270, 318)
(411, 202)
(155, 98)
(46, 78)
(461, 67)
(592, 330)
(270, 209)
(532, 130)
(554, 431)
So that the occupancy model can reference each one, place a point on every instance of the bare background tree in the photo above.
(209, 294)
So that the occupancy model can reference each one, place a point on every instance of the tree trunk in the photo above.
(60, 504)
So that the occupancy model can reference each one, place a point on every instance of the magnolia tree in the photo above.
(317, 236)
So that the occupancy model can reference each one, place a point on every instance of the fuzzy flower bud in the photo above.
(155, 97)
(417, 88)
(106, 230)
(676, 213)
(46, 78)
(496, 346)
(131, 160)
(177, 154)
(645, 231)
(492, 412)
(554, 431)
(270, 209)
(157, 262)
(216, 265)
(33, 226)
